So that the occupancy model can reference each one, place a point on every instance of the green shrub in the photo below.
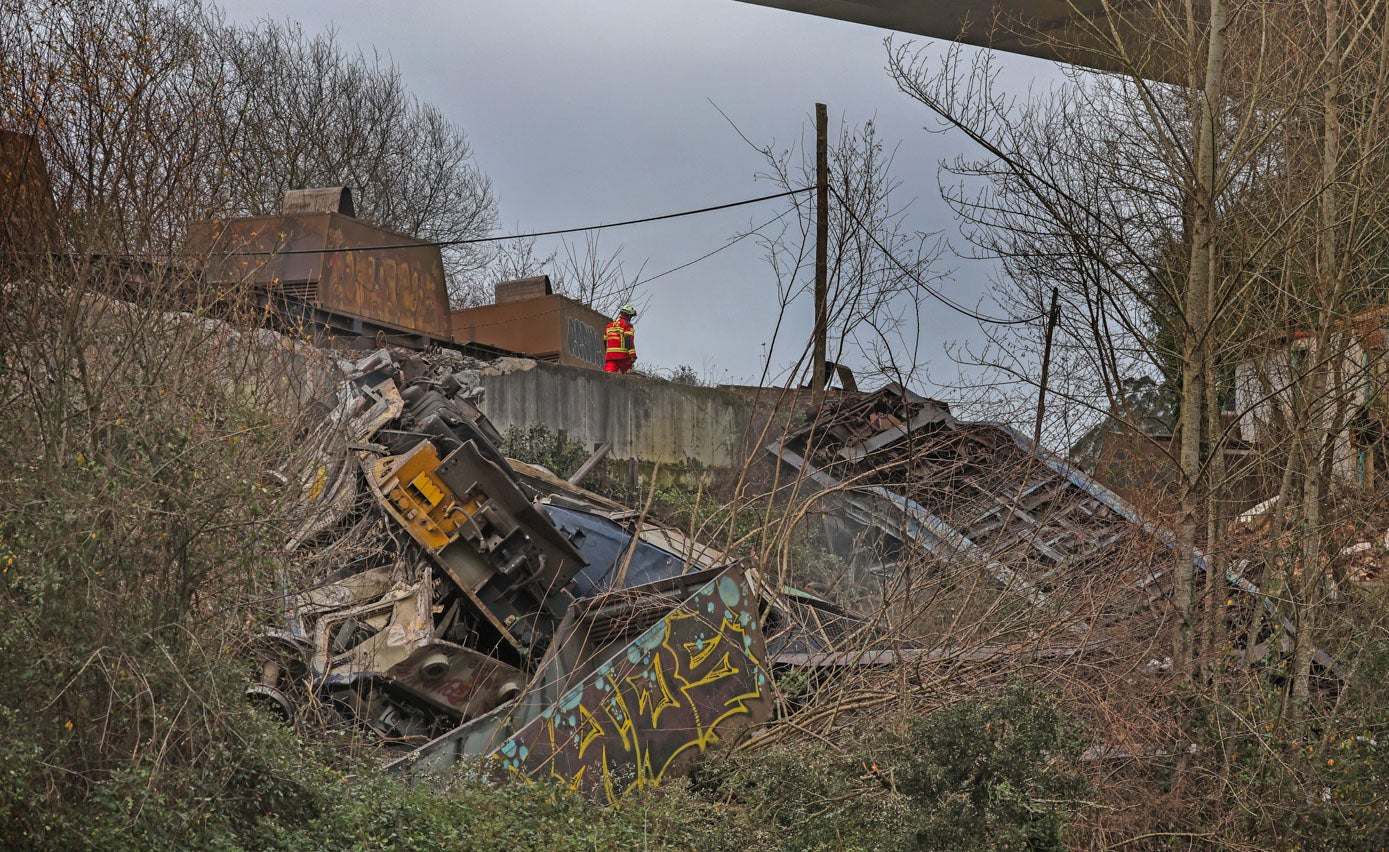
(538, 444)
(1316, 784)
(686, 375)
(994, 773)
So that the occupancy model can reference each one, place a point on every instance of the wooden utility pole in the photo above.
(1052, 314)
(822, 238)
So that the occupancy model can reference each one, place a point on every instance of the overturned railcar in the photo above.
(459, 612)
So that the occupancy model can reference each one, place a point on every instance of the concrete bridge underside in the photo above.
(1028, 27)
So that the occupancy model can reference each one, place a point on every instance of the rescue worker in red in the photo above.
(621, 342)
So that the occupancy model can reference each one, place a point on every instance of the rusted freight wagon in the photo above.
(530, 318)
(344, 273)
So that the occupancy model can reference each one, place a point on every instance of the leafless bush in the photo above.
(879, 270)
(140, 539)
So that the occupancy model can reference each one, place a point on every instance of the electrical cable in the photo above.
(639, 282)
(847, 209)
(728, 244)
(922, 284)
(557, 232)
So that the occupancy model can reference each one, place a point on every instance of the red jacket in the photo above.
(620, 338)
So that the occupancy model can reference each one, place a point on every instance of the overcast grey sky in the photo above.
(583, 113)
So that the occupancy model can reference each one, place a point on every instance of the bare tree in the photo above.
(596, 277)
(1136, 197)
(154, 113)
(586, 273)
(510, 260)
(122, 98)
(880, 271)
(308, 113)
(1216, 208)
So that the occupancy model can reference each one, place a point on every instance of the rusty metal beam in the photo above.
(28, 219)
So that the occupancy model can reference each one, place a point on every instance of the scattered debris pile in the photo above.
(465, 607)
(1362, 561)
(1365, 563)
(463, 610)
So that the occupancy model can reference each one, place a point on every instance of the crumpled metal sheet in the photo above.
(982, 493)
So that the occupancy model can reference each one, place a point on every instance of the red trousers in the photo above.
(616, 366)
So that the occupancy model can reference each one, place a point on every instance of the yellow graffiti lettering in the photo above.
(573, 782)
(724, 669)
(653, 700)
(615, 708)
(684, 685)
(593, 732)
(699, 651)
(608, 789)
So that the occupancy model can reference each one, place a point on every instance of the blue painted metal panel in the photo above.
(604, 546)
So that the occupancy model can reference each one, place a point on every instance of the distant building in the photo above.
(1137, 457)
(1134, 451)
(1353, 362)
(531, 319)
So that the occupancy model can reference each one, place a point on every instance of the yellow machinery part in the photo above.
(430, 511)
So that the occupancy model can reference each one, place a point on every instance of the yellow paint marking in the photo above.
(645, 701)
(697, 654)
(719, 672)
(614, 706)
(320, 480)
(595, 730)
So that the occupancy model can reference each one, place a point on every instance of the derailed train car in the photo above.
(459, 612)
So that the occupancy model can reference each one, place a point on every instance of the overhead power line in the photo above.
(710, 254)
(557, 232)
(642, 281)
(941, 297)
(844, 205)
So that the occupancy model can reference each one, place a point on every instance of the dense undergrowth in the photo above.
(140, 551)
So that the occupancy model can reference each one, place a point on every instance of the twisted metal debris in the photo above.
(464, 612)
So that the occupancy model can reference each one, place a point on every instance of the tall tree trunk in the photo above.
(1325, 401)
(1196, 338)
(1309, 539)
(1274, 557)
(1213, 613)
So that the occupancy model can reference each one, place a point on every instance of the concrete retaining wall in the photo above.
(649, 419)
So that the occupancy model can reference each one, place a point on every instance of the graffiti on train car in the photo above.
(585, 342)
(690, 680)
(399, 287)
